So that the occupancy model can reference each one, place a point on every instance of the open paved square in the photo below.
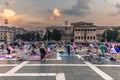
(58, 68)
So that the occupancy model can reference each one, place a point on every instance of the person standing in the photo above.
(68, 49)
(72, 50)
(43, 52)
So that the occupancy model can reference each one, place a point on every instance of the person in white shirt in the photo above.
(113, 52)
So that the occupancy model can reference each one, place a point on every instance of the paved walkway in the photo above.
(58, 68)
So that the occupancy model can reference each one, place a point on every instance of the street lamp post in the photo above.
(6, 22)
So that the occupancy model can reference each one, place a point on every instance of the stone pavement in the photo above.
(58, 68)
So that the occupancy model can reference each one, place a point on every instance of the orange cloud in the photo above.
(56, 13)
(7, 13)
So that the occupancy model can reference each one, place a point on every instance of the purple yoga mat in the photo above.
(2, 56)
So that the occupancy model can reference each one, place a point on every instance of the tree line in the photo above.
(36, 36)
(111, 35)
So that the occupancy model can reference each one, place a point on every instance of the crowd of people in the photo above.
(44, 49)
(28, 48)
(111, 49)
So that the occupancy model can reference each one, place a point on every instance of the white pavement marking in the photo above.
(97, 70)
(108, 65)
(100, 72)
(78, 56)
(31, 59)
(8, 65)
(17, 67)
(55, 65)
(29, 74)
(60, 76)
(58, 57)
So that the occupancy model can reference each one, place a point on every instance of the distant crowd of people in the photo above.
(28, 48)
(33, 48)
(103, 49)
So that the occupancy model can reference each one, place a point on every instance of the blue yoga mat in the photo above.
(104, 58)
(66, 55)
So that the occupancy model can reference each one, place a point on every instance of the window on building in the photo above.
(1, 33)
(90, 37)
(78, 29)
(75, 29)
(94, 37)
(1, 37)
(79, 37)
(82, 37)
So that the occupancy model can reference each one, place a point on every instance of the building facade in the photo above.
(84, 32)
(6, 34)
(81, 32)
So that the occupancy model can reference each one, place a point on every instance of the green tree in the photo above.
(31, 36)
(118, 36)
(37, 37)
(28, 36)
(47, 35)
(18, 36)
(56, 35)
(23, 37)
(112, 34)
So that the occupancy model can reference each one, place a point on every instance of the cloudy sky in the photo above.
(36, 12)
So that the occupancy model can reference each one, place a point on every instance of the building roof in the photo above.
(5, 28)
(83, 25)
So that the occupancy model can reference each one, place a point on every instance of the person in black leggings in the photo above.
(43, 53)
(8, 53)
